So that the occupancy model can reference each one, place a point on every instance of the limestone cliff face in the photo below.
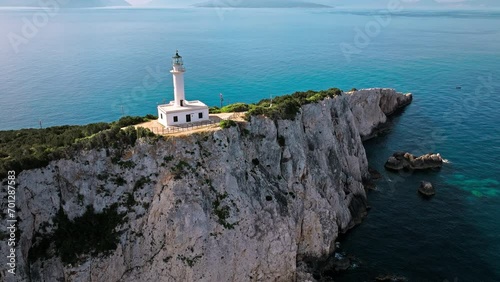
(240, 204)
(371, 107)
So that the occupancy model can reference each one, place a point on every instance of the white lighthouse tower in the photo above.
(178, 71)
(180, 111)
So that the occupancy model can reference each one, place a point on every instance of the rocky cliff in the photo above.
(371, 107)
(245, 203)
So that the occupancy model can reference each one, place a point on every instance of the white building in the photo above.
(180, 111)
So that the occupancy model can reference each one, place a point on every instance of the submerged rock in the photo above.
(404, 160)
(426, 189)
(342, 264)
(375, 175)
(369, 183)
(327, 268)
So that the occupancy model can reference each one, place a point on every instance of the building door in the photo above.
(188, 118)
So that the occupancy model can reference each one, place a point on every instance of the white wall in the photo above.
(168, 119)
(179, 87)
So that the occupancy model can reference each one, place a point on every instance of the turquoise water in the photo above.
(93, 65)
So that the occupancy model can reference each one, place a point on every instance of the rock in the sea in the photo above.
(404, 160)
(375, 175)
(426, 189)
(369, 183)
(342, 264)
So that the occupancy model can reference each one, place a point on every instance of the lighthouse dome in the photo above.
(177, 59)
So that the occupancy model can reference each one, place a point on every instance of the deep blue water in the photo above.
(89, 66)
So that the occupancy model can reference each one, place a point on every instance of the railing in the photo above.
(182, 128)
(193, 126)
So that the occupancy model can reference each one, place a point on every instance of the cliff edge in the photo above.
(371, 107)
(246, 203)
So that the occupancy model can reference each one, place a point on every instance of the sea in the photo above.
(82, 66)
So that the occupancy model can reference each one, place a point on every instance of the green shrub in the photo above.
(222, 211)
(231, 108)
(144, 132)
(180, 169)
(130, 120)
(91, 234)
(245, 132)
(214, 110)
(166, 160)
(287, 106)
(119, 181)
(227, 123)
(187, 260)
(126, 164)
(102, 176)
(130, 201)
(141, 182)
(34, 148)
(315, 98)
(235, 108)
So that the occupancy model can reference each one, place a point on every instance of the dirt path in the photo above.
(213, 125)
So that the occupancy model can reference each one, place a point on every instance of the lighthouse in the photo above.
(181, 111)
(178, 71)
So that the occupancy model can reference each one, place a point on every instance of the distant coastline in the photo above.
(263, 4)
(69, 4)
(206, 4)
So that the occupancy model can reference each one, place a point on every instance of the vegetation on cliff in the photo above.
(91, 234)
(227, 123)
(281, 107)
(34, 148)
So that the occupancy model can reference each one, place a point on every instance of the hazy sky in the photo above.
(340, 3)
(337, 3)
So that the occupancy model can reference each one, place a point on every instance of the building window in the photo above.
(176, 119)
(161, 116)
(200, 115)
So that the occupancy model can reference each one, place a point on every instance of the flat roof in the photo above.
(188, 106)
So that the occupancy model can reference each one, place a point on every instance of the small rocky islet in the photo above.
(407, 161)
(427, 189)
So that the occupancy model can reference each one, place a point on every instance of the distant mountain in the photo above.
(19, 3)
(67, 4)
(415, 4)
(261, 4)
(368, 4)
